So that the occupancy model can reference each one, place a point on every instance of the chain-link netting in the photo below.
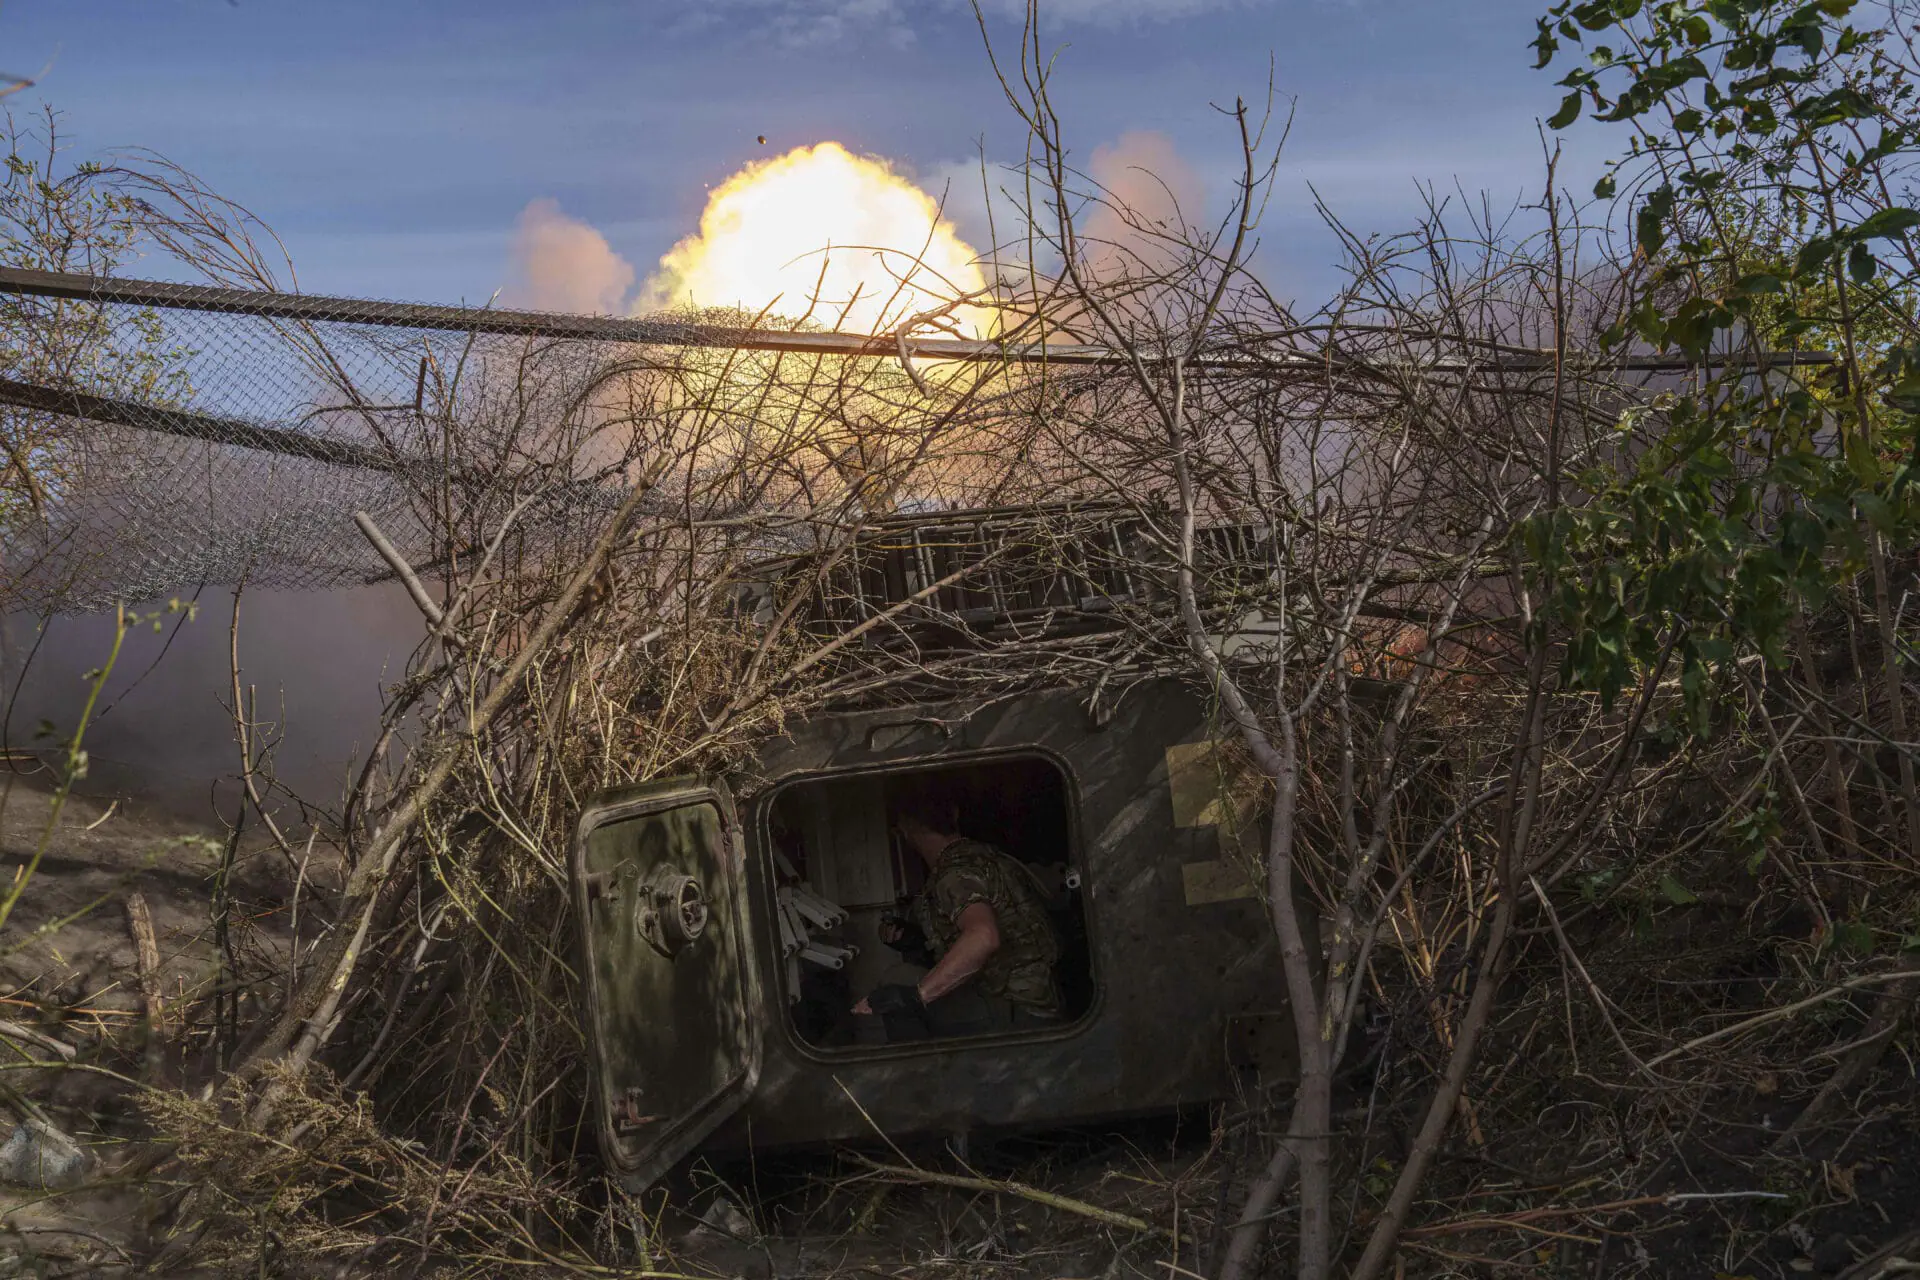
(158, 437)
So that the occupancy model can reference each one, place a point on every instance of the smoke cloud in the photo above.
(562, 264)
(1150, 188)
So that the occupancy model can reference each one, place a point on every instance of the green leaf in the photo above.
(1569, 112)
(1595, 885)
(1695, 322)
(1597, 15)
(1805, 30)
(1604, 189)
(1879, 513)
(1759, 282)
(1851, 935)
(1885, 223)
(1673, 891)
(1813, 255)
(1835, 107)
(1861, 264)
(1649, 228)
(1546, 44)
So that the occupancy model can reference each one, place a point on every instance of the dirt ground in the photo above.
(71, 975)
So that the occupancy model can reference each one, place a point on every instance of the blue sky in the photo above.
(394, 144)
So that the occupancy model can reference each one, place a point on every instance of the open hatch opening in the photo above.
(846, 877)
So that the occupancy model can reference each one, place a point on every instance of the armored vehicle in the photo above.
(729, 924)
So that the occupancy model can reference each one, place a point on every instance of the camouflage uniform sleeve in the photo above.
(957, 888)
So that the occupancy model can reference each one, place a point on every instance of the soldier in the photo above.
(992, 945)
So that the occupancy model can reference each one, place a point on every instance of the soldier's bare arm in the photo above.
(979, 939)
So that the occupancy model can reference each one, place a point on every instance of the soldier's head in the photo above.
(927, 818)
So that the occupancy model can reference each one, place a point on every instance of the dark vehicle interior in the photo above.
(843, 874)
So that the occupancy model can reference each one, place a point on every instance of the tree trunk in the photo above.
(1243, 1246)
(1312, 1119)
(1446, 1100)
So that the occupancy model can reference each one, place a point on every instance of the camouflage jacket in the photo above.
(1021, 970)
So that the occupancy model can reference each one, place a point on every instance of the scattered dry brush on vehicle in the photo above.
(1546, 588)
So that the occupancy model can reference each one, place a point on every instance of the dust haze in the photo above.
(317, 662)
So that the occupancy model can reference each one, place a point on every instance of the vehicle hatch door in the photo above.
(673, 1002)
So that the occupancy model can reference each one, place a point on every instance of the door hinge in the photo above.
(626, 1112)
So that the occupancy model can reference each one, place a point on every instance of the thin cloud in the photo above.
(816, 24)
(807, 24)
(1116, 13)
